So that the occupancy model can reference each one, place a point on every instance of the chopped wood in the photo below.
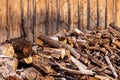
(102, 77)
(49, 41)
(65, 55)
(7, 50)
(115, 27)
(70, 70)
(111, 66)
(31, 74)
(81, 66)
(73, 52)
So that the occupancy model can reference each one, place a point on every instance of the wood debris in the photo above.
(72, 55)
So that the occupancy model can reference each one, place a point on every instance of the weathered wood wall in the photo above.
(48, 16)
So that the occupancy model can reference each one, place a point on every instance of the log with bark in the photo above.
(72, 55)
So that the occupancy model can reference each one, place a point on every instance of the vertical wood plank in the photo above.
(50, 18)
(110, 12)
(54, 16)
(74, 14)
(93, 14)
(46, 16)
(63, 14)
(3, 34)
(83, 14)
(24, 7)
(14, 17)
(101, 13)
(28, 10)
(117, 12)
(40, 17)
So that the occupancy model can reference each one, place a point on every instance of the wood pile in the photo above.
(65, 55)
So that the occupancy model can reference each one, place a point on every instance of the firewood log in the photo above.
(31, 74)
(111, 66)
(21, 46)
(70, 70)
(114, 26)
(49, 41)
(73, 52)
(41, 63)
(81, 66)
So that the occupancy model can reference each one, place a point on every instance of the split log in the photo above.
(7, 50)
(41, 63)
(21, 46)
(102, 77)
(81, 67)
(78, 63)
(73, 52)
(75, 43)
(114, 26)
(111, 66)
(49, 41)
(114, 32)
(116, 42)
(67, 70)
(57, 53)
(95, 60)
(31, 74)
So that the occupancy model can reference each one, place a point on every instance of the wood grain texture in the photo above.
(28, 10)
(117, 12)
(54, 16)
(14, 18)
(3, 33)
(83, 14)
(101, 13)
(63, 14)
(50, 18)
(110, 12)
(93, 14)
(40, 17)
(74, 14)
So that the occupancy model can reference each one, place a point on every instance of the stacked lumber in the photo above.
(65, 55)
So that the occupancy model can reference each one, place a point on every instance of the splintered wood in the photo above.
(72, 55)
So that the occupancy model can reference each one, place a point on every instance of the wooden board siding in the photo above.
(110, 12)
(52, 16)
(101, 13)
(3, 22)
(117, 12)
(83, 14)
(49, 16)
(14, 18)
(74, 14)
(28, 15)
(63, 13)
(93, 14)
(39, 17)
